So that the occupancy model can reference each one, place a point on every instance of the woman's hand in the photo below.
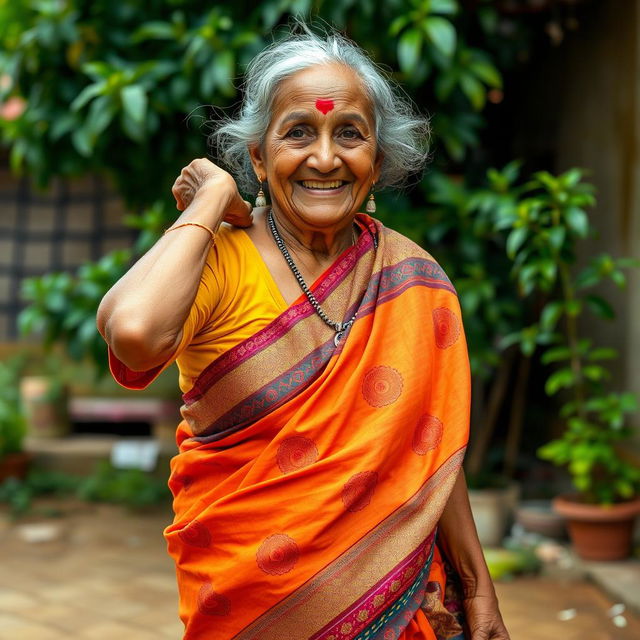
(201, 178)
(459, 541)
(483, 619)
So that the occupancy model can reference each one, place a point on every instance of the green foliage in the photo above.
(132, 488)
(457, 220)
(18, 495)
(63, 306)
(107, 91)
(12, 419)
(544, 225)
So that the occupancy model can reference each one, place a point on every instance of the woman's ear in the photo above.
(255, 155)
(377, 167)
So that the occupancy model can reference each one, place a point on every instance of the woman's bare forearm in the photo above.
(459, 541)
(458, 538)
(142, 315)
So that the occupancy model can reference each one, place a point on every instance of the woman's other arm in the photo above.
(142, 315)
(458, 539)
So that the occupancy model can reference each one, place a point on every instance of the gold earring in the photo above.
(371, 203)
(261, 200)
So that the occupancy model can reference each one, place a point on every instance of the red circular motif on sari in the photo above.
(278, 554)
(447, 327)
(211, 603)
(381, 386)
(427, 434)
(296, 453)
(358, 490)
(196, 534)
(183, 481)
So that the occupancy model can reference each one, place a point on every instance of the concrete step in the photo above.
(79, 454)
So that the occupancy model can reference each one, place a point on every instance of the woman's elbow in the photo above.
(134, 342)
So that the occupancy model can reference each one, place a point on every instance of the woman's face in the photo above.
(319, 155)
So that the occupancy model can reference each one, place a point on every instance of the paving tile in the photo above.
(113, 630)
(163, 620)
(12, 600)
(9, 621)
(165, 582)
(29, 631)
(110, 578)
(63, 617)
(530, 608)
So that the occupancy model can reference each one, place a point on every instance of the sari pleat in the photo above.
(311, 476)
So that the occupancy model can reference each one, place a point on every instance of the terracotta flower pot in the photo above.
(538, 516)
(14, 465)
(492, 512)
(599, 532)
(46, 407)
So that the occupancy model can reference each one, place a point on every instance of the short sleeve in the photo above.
(207, 298)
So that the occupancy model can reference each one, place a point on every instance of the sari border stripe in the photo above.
(429, 271)
(408, 602)
(349, 556)
(411, 266)
(280, 325)
(271, 395)
(394, 583)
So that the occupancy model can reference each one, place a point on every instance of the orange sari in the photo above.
(311, 476)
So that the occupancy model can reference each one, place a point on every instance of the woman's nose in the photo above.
(324, 156)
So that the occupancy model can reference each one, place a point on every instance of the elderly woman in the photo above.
(318, 486)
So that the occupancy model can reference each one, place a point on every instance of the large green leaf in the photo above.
(515, 240)
(577, 221)
(561, 379)
(134, 102)
(486, 72)
(474, 90)
(409, 50)
(446, 7)
(442, 35)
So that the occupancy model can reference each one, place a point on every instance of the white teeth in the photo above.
(315, 184)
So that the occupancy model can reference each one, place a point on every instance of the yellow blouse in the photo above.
(236, 298)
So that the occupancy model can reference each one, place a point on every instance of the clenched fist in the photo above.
(200, 178)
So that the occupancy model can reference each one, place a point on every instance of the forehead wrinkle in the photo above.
(302, 91)
(302, 115)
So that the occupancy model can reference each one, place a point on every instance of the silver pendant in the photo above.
(338, 337)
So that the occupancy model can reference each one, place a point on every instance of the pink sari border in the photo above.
(387, 591)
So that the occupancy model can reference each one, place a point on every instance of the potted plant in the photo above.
(44, 395)
(544, 231)
(14, 460)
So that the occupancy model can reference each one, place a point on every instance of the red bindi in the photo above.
(324, 105)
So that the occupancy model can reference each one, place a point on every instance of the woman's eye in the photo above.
(296, 133)
(350, 134)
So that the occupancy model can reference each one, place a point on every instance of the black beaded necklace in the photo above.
(338, 327)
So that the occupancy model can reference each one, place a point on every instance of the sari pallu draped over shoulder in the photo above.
(311, 477)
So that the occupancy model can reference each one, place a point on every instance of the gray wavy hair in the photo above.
(401, 133)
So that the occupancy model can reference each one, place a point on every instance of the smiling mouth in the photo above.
(329, 185)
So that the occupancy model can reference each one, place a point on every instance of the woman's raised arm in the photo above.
(142, 315)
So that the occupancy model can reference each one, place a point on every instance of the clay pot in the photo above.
(599, 532)
(492, 512)
(538, 516)
(46, 407)
(14, 465)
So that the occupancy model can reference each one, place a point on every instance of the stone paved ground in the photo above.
(106, 576)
